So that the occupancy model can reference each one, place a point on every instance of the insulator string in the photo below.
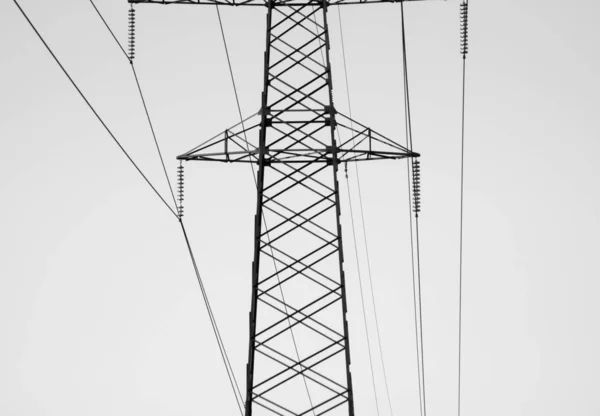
(180, 179)
(416, 182)
(131, 33)
(464, 29)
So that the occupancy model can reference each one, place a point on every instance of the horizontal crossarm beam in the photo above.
(276, 3)
(358, 143)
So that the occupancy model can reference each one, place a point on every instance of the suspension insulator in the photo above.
(464, 29)
(131, 33)
(180, 188)
(416, 181)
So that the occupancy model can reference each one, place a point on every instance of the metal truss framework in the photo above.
(298, 356)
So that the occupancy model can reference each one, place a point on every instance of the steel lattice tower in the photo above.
(298, 356)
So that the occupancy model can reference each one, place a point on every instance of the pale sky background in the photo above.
(100, 313)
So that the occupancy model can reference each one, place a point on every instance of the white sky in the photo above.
(100, 312)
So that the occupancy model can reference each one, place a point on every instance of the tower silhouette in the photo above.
(298, 354)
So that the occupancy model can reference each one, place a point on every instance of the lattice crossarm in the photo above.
(264, 3)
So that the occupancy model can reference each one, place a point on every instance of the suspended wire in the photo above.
(313, 18)
(224, 356)
(464, 9)
(414, 241)
(213, 322)
(362, 297)
(162, 161)
(109, 29)
(129, 58)
(414, 287)
(362, 216)
(237, 98)
(264, 219)
(211, 314)
(93, 109)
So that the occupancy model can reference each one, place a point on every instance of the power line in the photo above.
(362, 216)
(414, 242)
(464, 51)
(130, 59)
(110, 30)
(362, 297)
(213, 321)
(237, 98)
(359, 274)
(220, 343)
(162, 161)
(460, 280)
(92, 108)
(368, 339)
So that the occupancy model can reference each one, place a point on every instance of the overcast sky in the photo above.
(100, 312)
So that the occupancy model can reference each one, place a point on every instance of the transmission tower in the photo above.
(298, 355)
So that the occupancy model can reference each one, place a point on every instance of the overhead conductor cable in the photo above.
(364, 230)
(414, 230)
(464, 49)
(178, 204)
(213, 322)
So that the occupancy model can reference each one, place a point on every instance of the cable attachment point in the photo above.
(416, 180)
(180, 188)
(464, 28)
(131, 33)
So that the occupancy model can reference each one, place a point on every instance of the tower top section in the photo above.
(264, 3)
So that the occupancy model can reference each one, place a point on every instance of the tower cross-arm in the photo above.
(264, 3)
